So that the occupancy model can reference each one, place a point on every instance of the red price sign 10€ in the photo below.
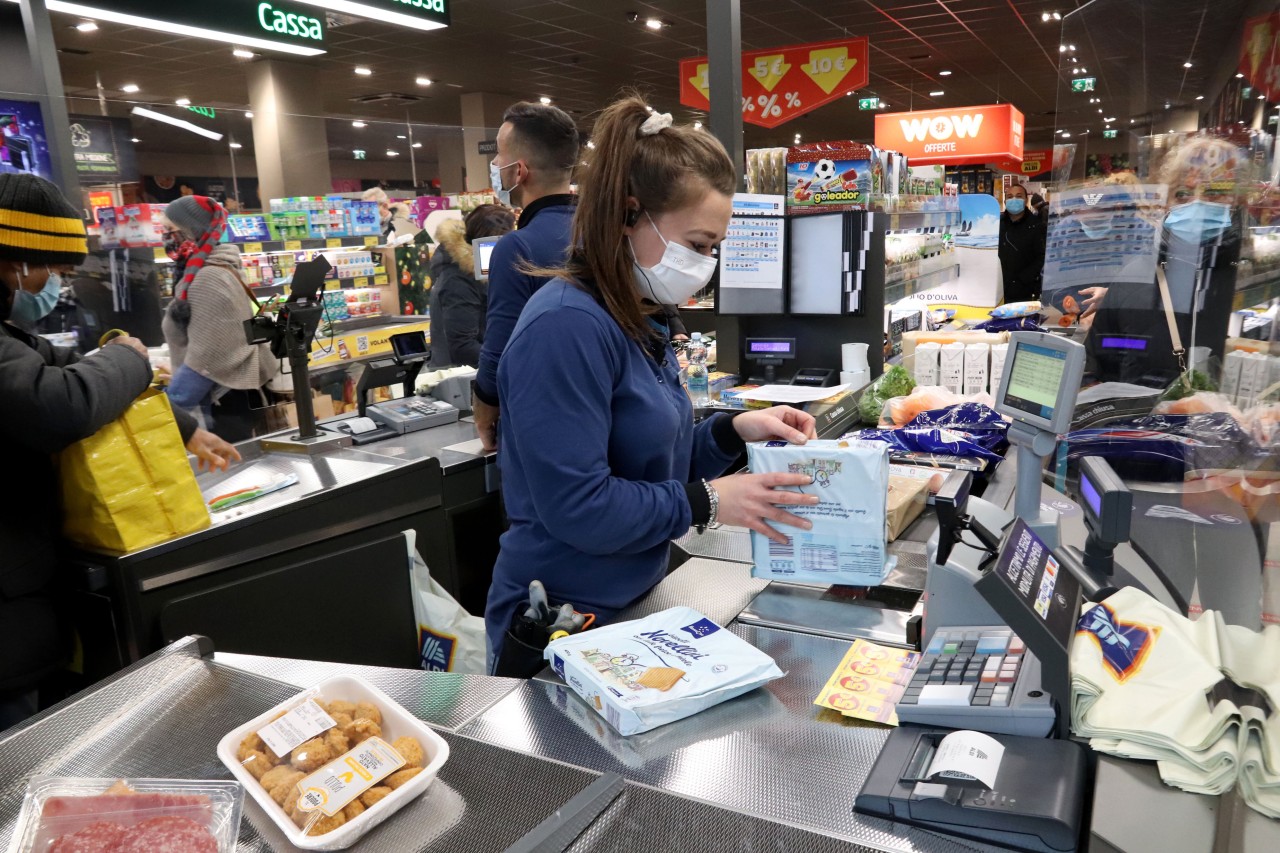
(781, 83)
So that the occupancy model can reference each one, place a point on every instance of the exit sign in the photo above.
(1083, 84)
(1108, 134)
(207, 112)
(868, 103)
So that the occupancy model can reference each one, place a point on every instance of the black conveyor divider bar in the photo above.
(557, 832)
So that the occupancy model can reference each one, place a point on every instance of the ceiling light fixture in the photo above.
(183, 102)
(401, 136)
(1262, 97)
(937, 94)
(358, 124)
(248, 115)
(1062, 48)
(1240, 75)
(241, 53)
(423, 81)
(1109, 120)
(591, 144)
(135, 139)
(944, 73)
(176, 29)
(417, 145)
(87, 26)
(1199, 97)
(236, 145)
(1066, 135)
(1071, 48)
(545, 101)
(1084, 70)
(697, 125)
(391, 153)
(177, 122)
(363, 71)
(1186, 64)
(129, 88)
(654, 23)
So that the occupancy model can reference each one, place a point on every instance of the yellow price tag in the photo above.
(333, 243)
(253, 248)
(293, 245)
(360, 282)
(333, 284)
(160, 254)
(371, 241)
(380, 279)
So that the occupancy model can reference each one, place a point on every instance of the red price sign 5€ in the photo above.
(781, 83)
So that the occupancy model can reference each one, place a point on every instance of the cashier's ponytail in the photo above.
(636, 154)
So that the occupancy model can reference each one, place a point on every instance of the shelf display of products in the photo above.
(319, 217)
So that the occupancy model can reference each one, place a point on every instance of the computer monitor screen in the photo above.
(1034, 380)
(483, 248)
(409, 345)
(771, 348)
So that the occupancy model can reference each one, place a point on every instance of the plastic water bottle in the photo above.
(699, 390)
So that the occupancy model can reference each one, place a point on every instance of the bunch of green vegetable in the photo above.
(894, 382)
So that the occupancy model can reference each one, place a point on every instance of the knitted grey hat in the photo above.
(188, 214)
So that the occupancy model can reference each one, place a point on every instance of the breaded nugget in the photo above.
(354, 809)
(410, 750)
(286, 788)
(275, 775)
(341, 706)
(361, 730)
(395, 780)
(367, 711)
(257, 764)
(337, 742)
(324, 823)
(371, 797)
(311, 755)
(342, 718)
(252, 743)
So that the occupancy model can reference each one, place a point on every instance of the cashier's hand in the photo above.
(748, 499)
(132, 343)
(778, 422)
(1093, 297)
(486, 418)
(211, 452)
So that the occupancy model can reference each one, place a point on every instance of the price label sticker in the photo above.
(331, 788)
(296, 727)
(293, 245)
(253, 248)
(333, 243)
(360, 282)
(371, 241)
(380, 279)
(160, 254)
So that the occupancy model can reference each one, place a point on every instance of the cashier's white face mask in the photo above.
(680, 273)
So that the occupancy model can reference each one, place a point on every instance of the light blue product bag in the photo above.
(847, 542)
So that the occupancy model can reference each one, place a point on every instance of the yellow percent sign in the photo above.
(770, 70)
(828, 67)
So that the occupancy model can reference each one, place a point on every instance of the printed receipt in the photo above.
(968, 755)
(296, 728)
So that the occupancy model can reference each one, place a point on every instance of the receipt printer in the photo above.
(1034, 803)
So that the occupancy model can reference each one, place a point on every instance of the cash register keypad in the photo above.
(967, 666)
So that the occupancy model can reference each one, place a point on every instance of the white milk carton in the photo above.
(951, 367)
(976, 357)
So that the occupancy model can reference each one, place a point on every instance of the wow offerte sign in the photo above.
(781, 83)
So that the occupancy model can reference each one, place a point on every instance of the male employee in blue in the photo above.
(537, 151)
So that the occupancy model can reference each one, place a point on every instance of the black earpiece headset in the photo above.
(633, 216)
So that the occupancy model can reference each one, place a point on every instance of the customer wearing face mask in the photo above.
(537, 152)
(1022, 246)
(458, 300)
(602, 465)
(215, 371)
(49, 399)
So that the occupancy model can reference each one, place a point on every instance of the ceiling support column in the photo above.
(289, 137)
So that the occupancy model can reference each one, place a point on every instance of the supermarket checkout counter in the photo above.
(326, 550)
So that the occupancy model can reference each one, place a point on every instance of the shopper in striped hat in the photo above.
(215, 372)
(49, 399)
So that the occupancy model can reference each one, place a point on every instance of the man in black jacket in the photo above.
(1022, 244)
(50, 399)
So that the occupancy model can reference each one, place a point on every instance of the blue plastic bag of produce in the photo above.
(1164, 448)
(971, 430)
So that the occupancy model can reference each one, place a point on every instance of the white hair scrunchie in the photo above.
(655, 123)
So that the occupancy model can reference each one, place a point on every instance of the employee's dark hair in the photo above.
(1019, 186)
(545, 136)
(489, 220)
(663, 171)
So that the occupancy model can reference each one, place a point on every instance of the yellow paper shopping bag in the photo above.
(129, 485)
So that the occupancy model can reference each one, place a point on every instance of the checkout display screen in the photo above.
(1091, 496)
(486, 252)
(776, 347)
(1035, 379)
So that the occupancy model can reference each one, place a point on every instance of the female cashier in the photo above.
(601, 462)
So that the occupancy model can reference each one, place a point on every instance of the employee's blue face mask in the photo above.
(1015, 205)
(1199, 221)
(29, 308)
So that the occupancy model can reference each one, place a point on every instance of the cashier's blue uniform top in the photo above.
(597, 444)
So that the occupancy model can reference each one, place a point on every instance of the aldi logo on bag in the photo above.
(437, 650)
(1124, 645)
(701, 628)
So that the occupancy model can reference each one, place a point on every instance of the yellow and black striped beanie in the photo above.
(37, 223)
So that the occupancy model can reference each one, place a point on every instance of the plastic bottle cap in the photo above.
(558, 634)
